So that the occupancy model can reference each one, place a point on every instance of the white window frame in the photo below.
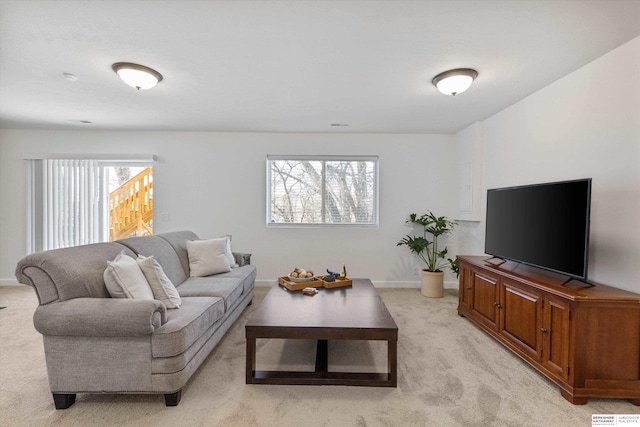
(369, 158)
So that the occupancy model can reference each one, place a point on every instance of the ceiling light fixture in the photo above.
(137, 76)
(456, 81)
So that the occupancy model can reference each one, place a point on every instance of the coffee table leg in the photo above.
(251, 359)
(392, 358)
(322, 356)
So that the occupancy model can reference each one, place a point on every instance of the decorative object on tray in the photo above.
(330, 277)
(342, 275)
(300, 275)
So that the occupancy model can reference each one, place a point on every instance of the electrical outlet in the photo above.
(164, 217)
(416, 271)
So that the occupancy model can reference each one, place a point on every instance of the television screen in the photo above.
(543, 225)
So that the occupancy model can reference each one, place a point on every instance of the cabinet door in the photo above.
(465, 294)
(484, 299)
(521, 318)
(555, 341)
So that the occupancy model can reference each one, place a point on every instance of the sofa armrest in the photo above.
(100, 317)
(242, 259)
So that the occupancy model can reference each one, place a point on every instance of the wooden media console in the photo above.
(584, 339)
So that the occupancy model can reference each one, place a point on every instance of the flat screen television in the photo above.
(542, 225)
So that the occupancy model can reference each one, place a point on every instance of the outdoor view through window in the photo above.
(81, 201)
(130, 201)
(322, 190)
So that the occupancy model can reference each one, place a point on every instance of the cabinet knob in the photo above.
(468, 288)
(497, 305)
(543, 330)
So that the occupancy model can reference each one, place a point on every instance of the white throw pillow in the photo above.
(207, 257)
(228, 253)
(160, 284)
(124, 279)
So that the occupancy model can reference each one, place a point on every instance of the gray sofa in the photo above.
(97, 344)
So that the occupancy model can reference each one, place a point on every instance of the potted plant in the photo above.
(426, 247)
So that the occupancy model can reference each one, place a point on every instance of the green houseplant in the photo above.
(426, 248)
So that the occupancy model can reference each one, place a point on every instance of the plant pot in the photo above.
(432, 284)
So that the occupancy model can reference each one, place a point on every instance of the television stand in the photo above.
(584, 339)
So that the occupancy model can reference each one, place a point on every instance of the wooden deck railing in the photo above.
(131, 207)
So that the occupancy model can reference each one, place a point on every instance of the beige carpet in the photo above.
(450, 374)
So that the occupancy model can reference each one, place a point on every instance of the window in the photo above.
(75, 201)
(322, 191)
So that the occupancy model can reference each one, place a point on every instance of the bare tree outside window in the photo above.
(322, 191)
(123, 173)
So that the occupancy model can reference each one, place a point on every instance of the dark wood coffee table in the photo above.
(350, 313)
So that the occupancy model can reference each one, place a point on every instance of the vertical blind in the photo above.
(71, 203)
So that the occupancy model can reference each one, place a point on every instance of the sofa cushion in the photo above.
(162, 251)
(246, 273)
(185, 326)
(159, 283)
(124, 279)
(178, 241)
(207, 257)
(230, 289)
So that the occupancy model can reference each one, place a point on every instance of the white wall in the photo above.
(214, 184)
(469, 158)
(586, 124)
(469, 234)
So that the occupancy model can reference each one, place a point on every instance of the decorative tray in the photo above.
(286, 282)
(300, 279)
(315, 282)
(338, 283)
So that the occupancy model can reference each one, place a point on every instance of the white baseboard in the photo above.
(9, 282)
(452, 285)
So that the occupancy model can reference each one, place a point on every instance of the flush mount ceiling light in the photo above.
(456, 81)
(137, 76)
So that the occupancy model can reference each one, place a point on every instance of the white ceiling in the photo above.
(292, 66)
